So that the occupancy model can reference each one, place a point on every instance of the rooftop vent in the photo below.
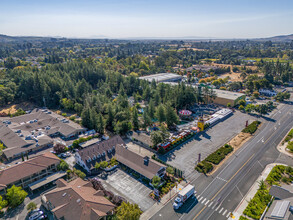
(78, 200)
(64, 194)
(146, 160)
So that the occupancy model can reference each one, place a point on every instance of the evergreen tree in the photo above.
(160, 113)
(135, 121)
(171, 116)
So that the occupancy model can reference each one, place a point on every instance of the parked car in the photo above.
(42, 217)
(34, 215)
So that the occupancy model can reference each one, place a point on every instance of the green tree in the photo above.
(15, 196)
(249, 108)
(135, 121)
(97, 165)
(122, 127)
(146, 119)
(128, 211)
(3, 203)
(86, 117)
(79, 173)
(104, 164)
(156, 137)
(63, 166)
(241, 108)
(229, 105)
(156, 181)
(170, 170)
(242, 102)
(171, 116)
(160, 113)
(100, 124)
(110, 119)
(31, 206)
(151, 109)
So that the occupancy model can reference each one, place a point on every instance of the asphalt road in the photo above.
(220, 193)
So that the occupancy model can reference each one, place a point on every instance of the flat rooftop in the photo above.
(161, 77)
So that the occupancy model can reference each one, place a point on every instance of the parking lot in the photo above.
(185, 157)
(123, 184)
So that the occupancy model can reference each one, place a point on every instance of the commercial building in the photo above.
(223, 97)
(219, 116)
(115, 147)
(34, 132)
(267, 92)
(41, 169)
(77, 200)
(162, 77)
(281, 207)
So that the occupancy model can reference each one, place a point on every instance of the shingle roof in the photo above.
(280, 192)
(137, 162)
(27, 168)
(100, 148)
(78, 200)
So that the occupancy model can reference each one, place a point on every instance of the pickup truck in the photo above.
(182, 196)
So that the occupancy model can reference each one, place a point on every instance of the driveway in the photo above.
(185, 157)
(121, 183)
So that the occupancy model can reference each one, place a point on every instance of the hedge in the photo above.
(251, 128)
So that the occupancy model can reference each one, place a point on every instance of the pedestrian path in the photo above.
(212, 205)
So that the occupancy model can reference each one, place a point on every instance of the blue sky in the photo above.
(147, 18)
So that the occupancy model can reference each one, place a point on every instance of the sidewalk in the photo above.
(159, 205)
(250, 194)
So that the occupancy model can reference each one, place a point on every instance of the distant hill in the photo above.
(277, 38)
(6, 38)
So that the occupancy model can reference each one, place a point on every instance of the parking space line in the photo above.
(221, 210)
(204, 200)
(224, 212)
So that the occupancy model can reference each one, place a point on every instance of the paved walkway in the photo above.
(252, 191)
(159, 205)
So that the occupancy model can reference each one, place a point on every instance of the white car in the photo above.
(35, 214)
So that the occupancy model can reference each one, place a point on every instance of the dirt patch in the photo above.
(12, 108)
(236, 143)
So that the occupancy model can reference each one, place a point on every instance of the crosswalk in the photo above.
(212, 205)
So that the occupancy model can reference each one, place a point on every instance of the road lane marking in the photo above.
(228, 215)
(204, 200)
(221, 179)
(200, 199)
(214, 206)
(210, 204)
(207, 202)
(221, 210)
(224, 186)
(217, 208)
(224, 212)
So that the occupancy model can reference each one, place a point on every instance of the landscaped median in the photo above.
(207, 165)
(215, 158)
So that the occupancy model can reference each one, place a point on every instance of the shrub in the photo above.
(63, 166)
(156, 181)
(290, 146)
(204, 167)
(79, 173)
(220, 154)
(31, 206)
(276, 174)
(103, 164)
(251, 128)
